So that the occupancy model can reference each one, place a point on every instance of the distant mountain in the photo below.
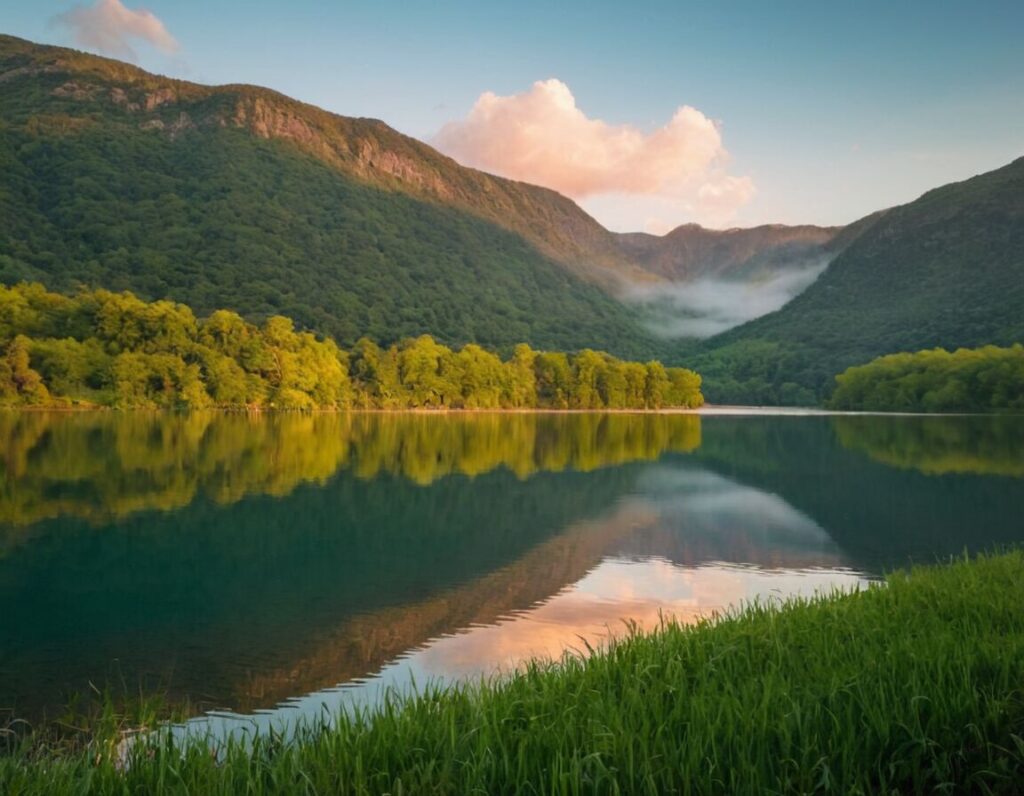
(945, 270)
(692, 252)
(238, 196)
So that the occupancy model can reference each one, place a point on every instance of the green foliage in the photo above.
(910, 688)
(683, 388)
(936, 445)
(73, 367)
(106, 465)
(946, 270)
(987, 379)
(128, 353)
(554, 379)
(522, 377)
(220, 215)
(19, 383)
(375, 372)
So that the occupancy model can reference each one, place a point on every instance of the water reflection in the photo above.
(247, 563)
(882, 515)
(103, 466)
(616, 594)
(939, 445)
(603, 604)
(681, 516)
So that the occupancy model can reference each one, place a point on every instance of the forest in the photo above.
(100, 348)
(219, 216)
(986, 379)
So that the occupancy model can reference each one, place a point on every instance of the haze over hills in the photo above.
(713, 280)
(946, 270)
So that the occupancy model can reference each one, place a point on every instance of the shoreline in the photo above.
(708, 410)
(890, 689)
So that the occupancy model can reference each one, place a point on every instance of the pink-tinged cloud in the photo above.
(540, 136)
(108, 26)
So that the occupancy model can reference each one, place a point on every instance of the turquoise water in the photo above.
(271, 565)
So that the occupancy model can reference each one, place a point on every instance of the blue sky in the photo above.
(828, 110)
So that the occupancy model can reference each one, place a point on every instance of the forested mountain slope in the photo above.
(239, 197)
(944, 270)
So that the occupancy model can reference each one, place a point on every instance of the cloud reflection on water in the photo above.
(599, 606)
(688, 544)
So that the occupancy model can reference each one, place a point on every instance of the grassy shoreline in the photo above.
(914, 687)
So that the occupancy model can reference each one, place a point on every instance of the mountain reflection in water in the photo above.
(295, 560)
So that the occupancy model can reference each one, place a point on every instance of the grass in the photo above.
(915, 687)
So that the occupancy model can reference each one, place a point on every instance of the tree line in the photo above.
(986, 379)
(112, 349)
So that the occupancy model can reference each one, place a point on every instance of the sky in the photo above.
(649, 114)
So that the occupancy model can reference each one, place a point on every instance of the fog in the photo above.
(705, 307)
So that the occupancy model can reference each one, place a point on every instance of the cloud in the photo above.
(107, 26)
(706, 306)
(540, 136)
(722, 196)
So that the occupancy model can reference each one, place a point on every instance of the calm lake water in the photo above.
(268, 566)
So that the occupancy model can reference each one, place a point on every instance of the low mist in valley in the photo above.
(708, 305)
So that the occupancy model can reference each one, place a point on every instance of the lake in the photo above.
(266, 566)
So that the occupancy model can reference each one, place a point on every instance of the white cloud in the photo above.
(540, 136)
(720, 197)
(107, 26)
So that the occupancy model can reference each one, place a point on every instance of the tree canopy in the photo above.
(984, 379)
(113, 349)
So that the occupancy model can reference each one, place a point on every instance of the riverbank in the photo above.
(911, 687)
(706, 410)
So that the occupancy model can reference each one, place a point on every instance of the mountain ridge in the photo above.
(116, 178)
(691, 251)
(363, 147)
(945, 270)
(371, 150)
(238, 196)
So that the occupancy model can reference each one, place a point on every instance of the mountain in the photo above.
(240, 197)
(946, 270)
(692, 252)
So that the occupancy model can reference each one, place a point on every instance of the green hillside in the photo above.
(238, 197)
(946, 270)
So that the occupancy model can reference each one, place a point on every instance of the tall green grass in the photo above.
(915, 687)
